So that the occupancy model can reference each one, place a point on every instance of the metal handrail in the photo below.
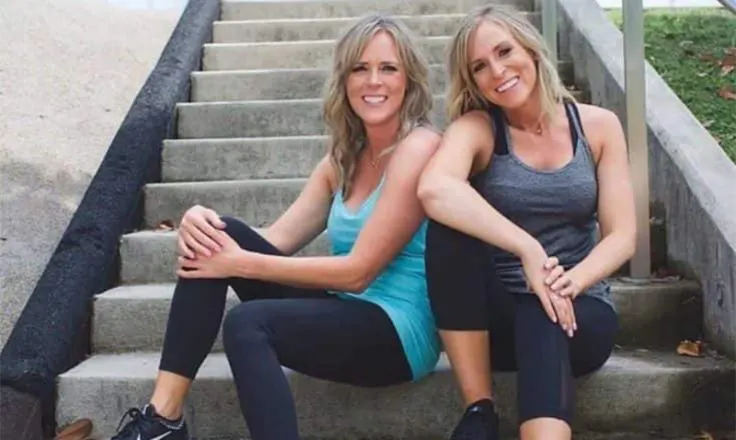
(729, 4)
(636, 128)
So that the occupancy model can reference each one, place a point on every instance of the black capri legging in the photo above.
(306, 330)
(466, 294)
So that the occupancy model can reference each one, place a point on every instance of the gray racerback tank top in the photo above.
(557, 207)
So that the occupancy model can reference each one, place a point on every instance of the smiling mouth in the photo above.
(507, 85)
(375, 99)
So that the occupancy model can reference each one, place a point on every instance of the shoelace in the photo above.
(137, 418)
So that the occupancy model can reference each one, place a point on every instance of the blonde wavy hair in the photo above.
(463, 94)
(346, 129)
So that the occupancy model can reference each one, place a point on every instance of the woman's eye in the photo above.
(477, 68)
(505, 51)
(390, 68)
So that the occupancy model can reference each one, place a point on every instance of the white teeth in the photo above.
(507, 85)
(374, 99)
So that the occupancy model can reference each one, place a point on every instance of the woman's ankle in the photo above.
(168, 410)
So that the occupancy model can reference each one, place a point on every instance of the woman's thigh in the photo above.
(349, 341)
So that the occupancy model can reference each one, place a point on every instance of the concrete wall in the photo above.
(69, 70)
(693, 183)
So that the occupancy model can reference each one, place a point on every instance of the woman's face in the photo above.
(504, 70)
(376, 84)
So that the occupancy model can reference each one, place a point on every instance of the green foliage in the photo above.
(694, 50)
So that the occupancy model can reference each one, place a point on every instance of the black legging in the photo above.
(309, 331)
(466, 294)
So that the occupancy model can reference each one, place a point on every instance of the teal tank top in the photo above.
(400, 290)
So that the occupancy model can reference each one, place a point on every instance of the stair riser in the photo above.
(257, 202)
(428, 409)
(150, 257)
(329, 29)
(268, 118)
(276, 84)
(291, 55)
(649, 317)
(194, 160)
(294, 84)
(234, 10)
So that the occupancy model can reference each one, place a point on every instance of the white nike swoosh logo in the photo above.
(160, 437)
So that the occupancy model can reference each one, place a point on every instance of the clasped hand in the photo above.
(205, 249)
(555, 288)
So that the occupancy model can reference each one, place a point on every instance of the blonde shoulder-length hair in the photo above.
(463, 94)
(346, 129)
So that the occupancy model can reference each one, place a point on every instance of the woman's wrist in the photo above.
(246, 264)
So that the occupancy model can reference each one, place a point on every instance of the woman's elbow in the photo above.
(428, 189)
(358, 279)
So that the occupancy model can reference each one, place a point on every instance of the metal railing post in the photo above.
(636, 130)
(549, 25)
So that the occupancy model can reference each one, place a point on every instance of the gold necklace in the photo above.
(537, 130)
(375, 161)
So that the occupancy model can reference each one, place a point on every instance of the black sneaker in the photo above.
(147, 425)
(479, 422)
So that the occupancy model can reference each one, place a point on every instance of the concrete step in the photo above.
(294, 54)
(246, 31)
(257, 202)
(133, 317)
(272, 84)
(673, 395)
(244, 85)
(275, 118)
(264, 118)
(268, 9)
(150, 256)
(188, 160)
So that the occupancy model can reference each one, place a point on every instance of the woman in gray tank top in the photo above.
(522, 182)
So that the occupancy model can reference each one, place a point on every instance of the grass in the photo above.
(690, 49)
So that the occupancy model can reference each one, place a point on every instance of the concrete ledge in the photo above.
(693, 183)
(261, 10)
(133, 317)
(673, 396)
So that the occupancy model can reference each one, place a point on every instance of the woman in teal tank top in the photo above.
(360, 315)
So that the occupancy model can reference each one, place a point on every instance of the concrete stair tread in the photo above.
(138, 365)
(667, 388)
(325, 28)
(239, 10)
(298, 53)
(133, 316)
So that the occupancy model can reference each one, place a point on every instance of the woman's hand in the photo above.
(537, 269)
(198, 233)
(222, 264)
(563, 283)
